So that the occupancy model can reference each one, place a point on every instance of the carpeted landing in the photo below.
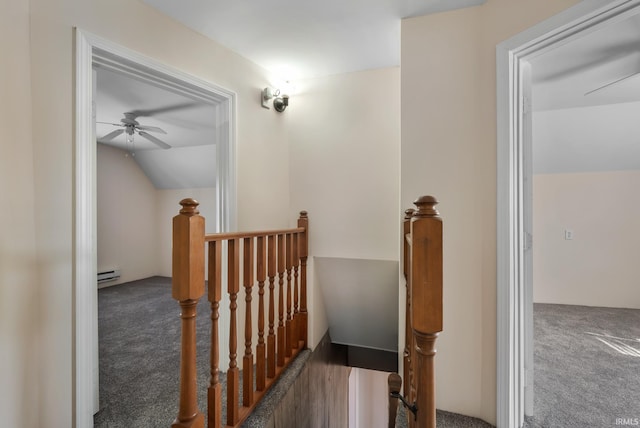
(586, 367)
(139, 333)
(445, 420)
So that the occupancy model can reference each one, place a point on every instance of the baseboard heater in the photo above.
(108, 275)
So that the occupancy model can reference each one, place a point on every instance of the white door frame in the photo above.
(514, 299)
(92, 50)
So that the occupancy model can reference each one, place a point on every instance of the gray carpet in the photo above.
(586, 366)
(445, 420)
(139, 331)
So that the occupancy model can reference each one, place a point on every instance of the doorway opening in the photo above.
(514, 200)
(92, 52)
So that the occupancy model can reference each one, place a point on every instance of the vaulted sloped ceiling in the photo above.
(190, 126)
(586, 102)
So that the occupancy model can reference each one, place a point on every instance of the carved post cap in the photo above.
(426, 207)
(394, 382)
(303, 214)
(408, 213)
(189, 207)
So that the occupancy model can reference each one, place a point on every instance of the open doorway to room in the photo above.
(155, 147)
(586, 172)
(151, 149)
(515, 371)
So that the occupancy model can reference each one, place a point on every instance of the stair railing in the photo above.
(267, 257)
(422, 251)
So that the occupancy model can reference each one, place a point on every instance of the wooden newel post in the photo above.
(188, 287)
(408, 345)
(394, 384)
(303, 253)
(426, 302)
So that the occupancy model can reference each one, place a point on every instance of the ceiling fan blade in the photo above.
(612, 83)
(152, 129)
(111, 135)
(111, 123)
(154, 140)
(146, 113)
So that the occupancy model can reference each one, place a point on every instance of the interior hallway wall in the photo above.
(368, 398)
(344, 133)
(127, 223)
(21, 329)
(597, 267)
(448, 76)
(135, 219)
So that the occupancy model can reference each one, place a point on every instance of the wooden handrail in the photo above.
(255, 234)
(253, 258)
(422, 268)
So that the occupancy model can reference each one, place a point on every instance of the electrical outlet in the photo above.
(568, 234)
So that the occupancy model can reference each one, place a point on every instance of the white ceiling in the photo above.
(578, 131)
(295, 39)
(572, 131)
(189, 125)
(587, 139)
(564, 75)
(291, 39)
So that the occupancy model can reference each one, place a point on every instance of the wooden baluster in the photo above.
(247, 361)
(394, 384)
(281, 330)
(214, 393)
(303, 221)
(260, 348)
(187, 288)
(408, 334)
(294, 324)
(426, 302)
(232, 373)
(271, 338)
(288, 335)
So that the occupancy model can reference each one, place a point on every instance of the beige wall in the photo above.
(127, 226)
(21, 329)
(598, 267)
(262, 151)
(344, 134)
(368, 398)
(138, 244)
(449, 150)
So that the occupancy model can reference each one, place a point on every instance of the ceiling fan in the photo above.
(131, 126)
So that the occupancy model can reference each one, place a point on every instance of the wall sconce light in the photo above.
(280, 102)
